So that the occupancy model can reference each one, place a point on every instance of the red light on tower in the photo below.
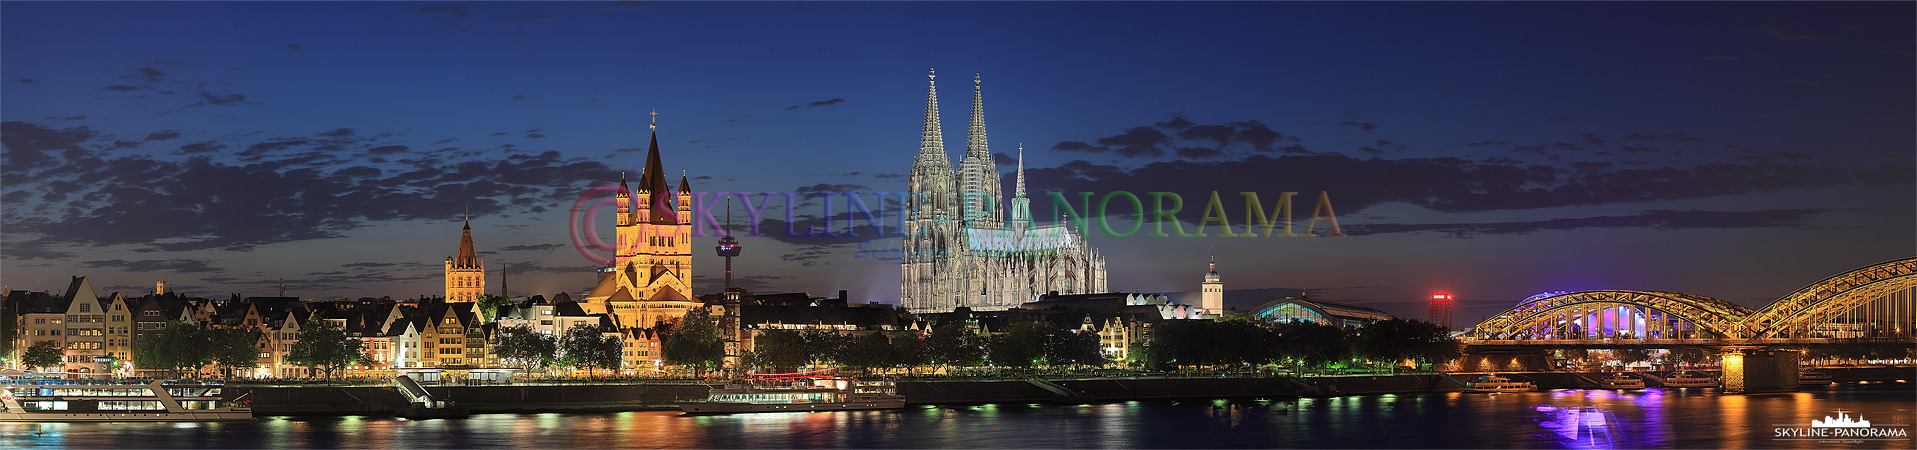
(1441, 303)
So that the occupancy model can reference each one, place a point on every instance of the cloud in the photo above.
(455, 11)
(120, 88)
(154, 265)
(280, 192)
(534, 17)
(1679, 137)
(27, 81)
(291, 47)
(1182, 136)
(624, 6)
(1656, 219)
(1367, 126)
(1444, 184)
(833, 101)
(208, 98)
(387, 149)
(1790, 34)
(162, 135)
(521, 97)
(735, 119)
(532, 248)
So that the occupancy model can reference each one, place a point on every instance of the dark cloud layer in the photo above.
(1659, 219)
(282, 189)
(1184, 138)
(1442, 184)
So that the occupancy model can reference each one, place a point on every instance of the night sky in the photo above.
(1495, 150)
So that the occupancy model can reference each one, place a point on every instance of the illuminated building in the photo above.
(1300, 309)
(1212, 297)
(1441, 309)
(465, 272)
(651, 275)
(963, 249)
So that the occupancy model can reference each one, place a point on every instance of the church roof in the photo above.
(621, 295)
(653, 185)
(667, 295)
(467, 257)
(607, 284)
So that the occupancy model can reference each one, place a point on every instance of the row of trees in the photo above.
(182, 348)
(1240, 341)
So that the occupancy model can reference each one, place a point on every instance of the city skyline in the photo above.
(1492, 151)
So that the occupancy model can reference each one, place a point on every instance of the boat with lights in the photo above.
(796, 392)
(1493, 383)
(1812, 377)
(1621, 380)
(1689, 380)
(118, 401)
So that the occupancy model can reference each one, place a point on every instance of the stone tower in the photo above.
(1213, 298)
(465, 272)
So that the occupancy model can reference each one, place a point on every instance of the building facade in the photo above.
(651, 275)
(966, 247)
(465, 272)
(1212, 292)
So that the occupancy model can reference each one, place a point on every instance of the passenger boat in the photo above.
(1689, 380)
(1494, 383)
(1621, 380)
(111, 401)
(795, 393)
(1812, 377)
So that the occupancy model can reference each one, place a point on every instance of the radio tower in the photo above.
(728, 248)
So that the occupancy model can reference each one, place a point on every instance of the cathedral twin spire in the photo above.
(974, 189)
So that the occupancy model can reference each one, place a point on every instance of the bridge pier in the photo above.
(1757, 371)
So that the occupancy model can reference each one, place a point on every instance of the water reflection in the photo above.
(1556, 419)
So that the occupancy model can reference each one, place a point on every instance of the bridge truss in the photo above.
(1872, 302)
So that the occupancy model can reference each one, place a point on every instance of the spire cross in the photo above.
(655, 120)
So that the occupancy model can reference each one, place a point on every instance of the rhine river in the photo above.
(1650, 418)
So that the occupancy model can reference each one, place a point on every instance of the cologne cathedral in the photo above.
(966, 246)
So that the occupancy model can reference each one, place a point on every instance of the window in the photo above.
(118, 306)
(545, 312)
(40, 321)
(450, 321)
(119, 318)
(86, 307)
(151, 313)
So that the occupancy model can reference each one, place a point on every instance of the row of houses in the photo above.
(98, 332)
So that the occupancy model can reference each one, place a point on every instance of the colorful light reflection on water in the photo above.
(1648, 418)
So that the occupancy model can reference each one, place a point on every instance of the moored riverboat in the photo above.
(1493, 384)
(1621, 380)
(1812, 377)
(117, 401)
(796, 393)
(1687, 379)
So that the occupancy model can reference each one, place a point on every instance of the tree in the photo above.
(1021, 345)
(953, 344)
(908, 350)
(236, 350)
(783, 350)
(826, 347)
(696, 342)
(871, 350)
(1391, 341)
(524, 347)
(1312, 344)
(325, 346)
(584, 346)
(1074, 348)
(1629, 356)
(489, 305)
(43, 354)
(179, 348)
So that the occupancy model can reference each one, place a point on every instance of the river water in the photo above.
(1650, 418)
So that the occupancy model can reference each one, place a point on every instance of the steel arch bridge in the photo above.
(1873, 302)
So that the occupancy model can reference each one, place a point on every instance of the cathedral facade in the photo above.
(965, 246)
(651, 275)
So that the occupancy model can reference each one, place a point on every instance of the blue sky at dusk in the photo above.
(1496, 150)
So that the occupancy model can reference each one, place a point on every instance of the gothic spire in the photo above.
(975, 143)
(467, 257)
(652, 184)
(1020, 191)
(930, 139)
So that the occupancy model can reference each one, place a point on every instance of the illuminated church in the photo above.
(965, 246)
(651, 275)
(465, 272)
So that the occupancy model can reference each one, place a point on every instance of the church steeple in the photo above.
(467, 257)
(931, 180)
(981, 191)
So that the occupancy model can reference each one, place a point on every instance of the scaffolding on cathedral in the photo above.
(966, 247)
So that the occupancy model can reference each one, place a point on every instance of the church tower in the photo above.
(651, 276)
(931, 279)
(980, 195)
(1213, 298)
(465, 272)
